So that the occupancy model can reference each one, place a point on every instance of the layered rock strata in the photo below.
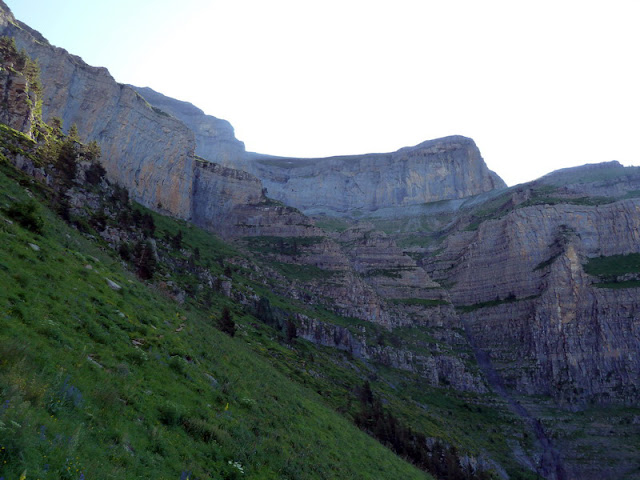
(446, 168)
(548, 328)
(437, 369)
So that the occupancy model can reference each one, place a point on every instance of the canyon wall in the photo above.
(442, 169)
(550, 327)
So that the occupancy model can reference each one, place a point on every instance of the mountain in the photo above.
(215, 138)
(447, 168)
(477, 330)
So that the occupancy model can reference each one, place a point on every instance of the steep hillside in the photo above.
(102, 376)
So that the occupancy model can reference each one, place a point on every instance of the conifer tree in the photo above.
(226, 323)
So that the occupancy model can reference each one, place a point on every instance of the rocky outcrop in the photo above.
(215, 138)
(437, 368)
(446, 168)
(522, 242)
(547, 327)
(16, 108)
(394, 275)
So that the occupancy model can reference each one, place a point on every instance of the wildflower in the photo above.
(226, 407)
(237, 465)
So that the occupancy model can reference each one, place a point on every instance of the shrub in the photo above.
(95, 173)
(226, 323)
(144, 260)
(25, 213)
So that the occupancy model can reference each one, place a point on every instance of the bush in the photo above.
(226, 323)
(25, 213)
(145, 260)
(95, 173)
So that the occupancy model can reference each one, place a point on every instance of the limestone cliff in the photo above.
(443, 169)
(215, 138)
(18, 98)
(551, 328)
(447, 168)
(148, 152)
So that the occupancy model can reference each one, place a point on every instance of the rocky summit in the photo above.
(344, 317)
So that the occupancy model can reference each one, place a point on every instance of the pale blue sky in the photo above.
(538, 85)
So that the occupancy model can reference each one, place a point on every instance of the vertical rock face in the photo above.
(215, 138)
(145, 149)
(232, 203)
(148, 152)
(218, 190)
(446, 168)
(17, 100)
(547, 327)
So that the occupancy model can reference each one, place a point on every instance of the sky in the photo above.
(538, 85)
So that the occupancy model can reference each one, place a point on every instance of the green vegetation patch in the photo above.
(97, 382)
(416, 240)
(331, 224)
(281, 245)
(423, 302)
(613, 265)
(609, 270)
(621, 284)
(492, 209)
(388, 272)
(493, 303)
(303, 273)
(588, 201)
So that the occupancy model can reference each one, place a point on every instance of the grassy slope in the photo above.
(98, 383)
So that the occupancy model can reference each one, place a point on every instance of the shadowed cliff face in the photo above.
(15, 110)
(447, 168)
(548, 327)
